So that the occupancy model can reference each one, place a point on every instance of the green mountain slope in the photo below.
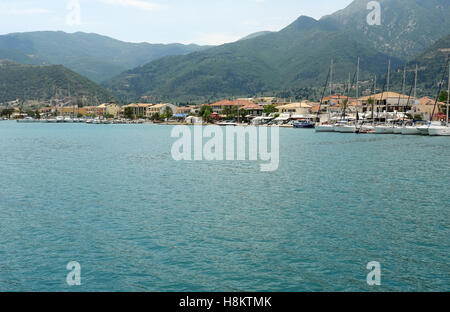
(94, 56)
(30, 82)
(297, 56)
(407, 26)
(431, 65)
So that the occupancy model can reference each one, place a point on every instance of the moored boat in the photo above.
(304, 125)
(398, 130)
(410, 130)
(325, 128)
(439, 131)
(384, 129)
(345, 128)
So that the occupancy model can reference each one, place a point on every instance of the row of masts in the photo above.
(388, 81)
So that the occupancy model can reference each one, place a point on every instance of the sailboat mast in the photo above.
(415, 84)
(331, 78)
(357, 79)
(404, 80)
(388, 85)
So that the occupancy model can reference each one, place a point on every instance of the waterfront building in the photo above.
(298, 109)
(160, 109)
(253, 110)
(220, 106)
(425, 107)
(394, 102)
(111, 109)
(139, 109)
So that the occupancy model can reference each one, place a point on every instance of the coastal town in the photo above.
(255, 111)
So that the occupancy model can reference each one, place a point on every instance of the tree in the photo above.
(155, 117)
(205, 112)
(269, 109)
(7, 112)
(168, 113)
(128, 113)
(443, 96)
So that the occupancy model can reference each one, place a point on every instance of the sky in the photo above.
(206, 22)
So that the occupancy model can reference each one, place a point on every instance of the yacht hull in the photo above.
(345, 129)
(325, 129)
(439, 131)
(423, 130)
(384, 130)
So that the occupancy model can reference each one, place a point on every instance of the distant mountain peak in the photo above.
(303, 23)
(256, 35)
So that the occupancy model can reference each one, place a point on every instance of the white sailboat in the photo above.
(326, 127)
(410, 130)
(443, 130)
(385, 129)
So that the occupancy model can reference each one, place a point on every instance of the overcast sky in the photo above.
(161, 21)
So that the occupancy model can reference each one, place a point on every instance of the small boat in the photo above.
(26, 120)
(345, 129)
(439, 131)
(304, 125)
(68, 120)
(367, 128)
(59, 119)
(410, 130)
(227, 124)
(423, 130)
(325, 128)
(398, 129)
(384, 129)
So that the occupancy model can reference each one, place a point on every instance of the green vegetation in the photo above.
(155, 117)
(128, 113)
(407, 28)
(29, 82)
(296, 57)
(94, 56)
(269, 109)
(205, 112)
(7, 112)
(167, 114)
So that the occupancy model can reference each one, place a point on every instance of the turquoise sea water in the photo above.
(111, 198)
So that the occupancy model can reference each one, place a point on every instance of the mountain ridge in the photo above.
(95, 56)
(43, 83)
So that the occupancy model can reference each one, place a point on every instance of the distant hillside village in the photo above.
(256, 111)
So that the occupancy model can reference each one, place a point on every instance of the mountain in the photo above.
(432, 63)
(32, 82)
(94, 56)
(297, 56)
(257, 34)
(407, 26)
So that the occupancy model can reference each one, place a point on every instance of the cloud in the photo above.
(138, 4)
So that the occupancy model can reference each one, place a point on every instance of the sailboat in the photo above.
(344, 126)
(385, 129)
(445, 129)
(435, 127)
(412, 129)
(326, 127)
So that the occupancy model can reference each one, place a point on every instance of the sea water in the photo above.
(111, 198)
